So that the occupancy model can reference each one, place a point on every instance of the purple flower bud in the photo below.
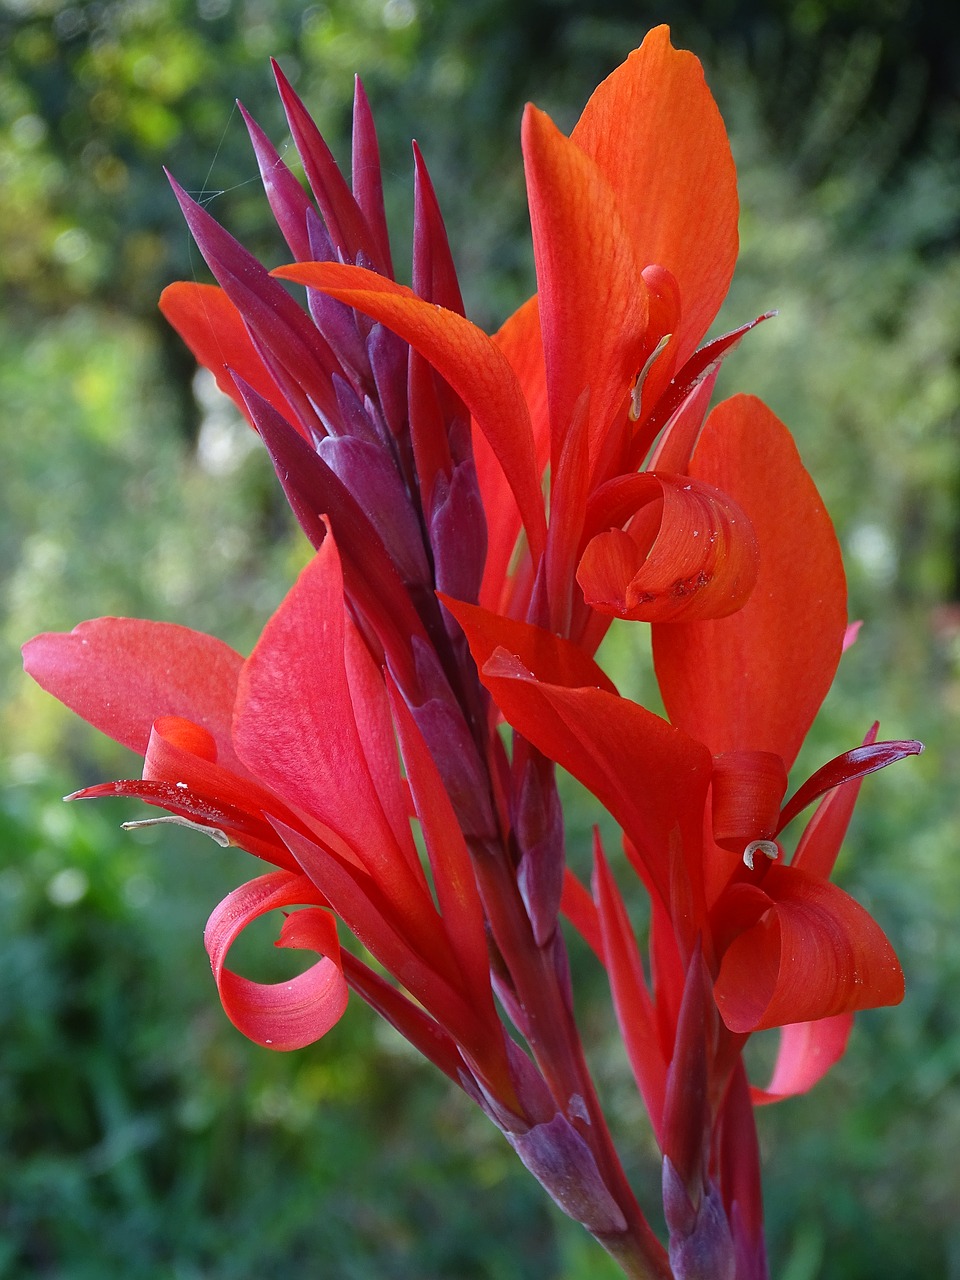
(701, 1247)
(564, 1165)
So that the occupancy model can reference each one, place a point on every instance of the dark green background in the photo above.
(140, 1136)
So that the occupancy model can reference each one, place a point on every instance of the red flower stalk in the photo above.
(446, 594)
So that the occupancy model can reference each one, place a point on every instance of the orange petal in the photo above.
(519, 340)
(213, 329)
(754, 681)
(593, 301)
(654, 131)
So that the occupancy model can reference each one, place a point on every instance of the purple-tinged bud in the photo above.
(336, 321)
(565, 1167)
(434, 273)
(366, 178)
(370, 475)
(357, 417)
(686, 1110)
(458, 533)
(701, 1246)
(538, 826)
(278, 326)
(441, 722)
(345, 221)
(289, 203)
(388, 361)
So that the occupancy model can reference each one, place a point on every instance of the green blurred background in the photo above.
(140, 1136)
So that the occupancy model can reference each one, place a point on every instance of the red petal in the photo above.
(120, 674)
(520, 341)
(213, 329)
(654, 130)
(296, 728)
(581, 910)
(282, 1015)
(688, 553)
(628, 988)
(423, 1032)
(813, 954)
(754, 681)
(592, 298)
(651, 777)
(406, 937)
(172, 757)
(464, 355)
(807, 1052)
(453, 878)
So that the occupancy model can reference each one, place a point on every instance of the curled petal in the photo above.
(687, 554)
(746, 791)
(280, 1015)
(814, 953)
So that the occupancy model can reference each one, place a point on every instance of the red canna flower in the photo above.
(447, 595)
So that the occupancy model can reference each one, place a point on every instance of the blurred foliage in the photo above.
(139, 1135)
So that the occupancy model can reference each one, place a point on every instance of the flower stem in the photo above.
(550, 1031)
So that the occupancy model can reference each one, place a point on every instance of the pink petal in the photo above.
(121, 674)
(296, 727)
(807, 1052)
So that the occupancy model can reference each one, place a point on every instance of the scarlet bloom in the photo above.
(447, 594)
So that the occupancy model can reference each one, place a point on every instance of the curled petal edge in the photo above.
(813, 953)
(281, 1015)
(687, 553)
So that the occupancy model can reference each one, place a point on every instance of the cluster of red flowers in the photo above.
(449, 594)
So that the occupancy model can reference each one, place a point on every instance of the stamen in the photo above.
(216, 835)
(767, 847)
(637, 389)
